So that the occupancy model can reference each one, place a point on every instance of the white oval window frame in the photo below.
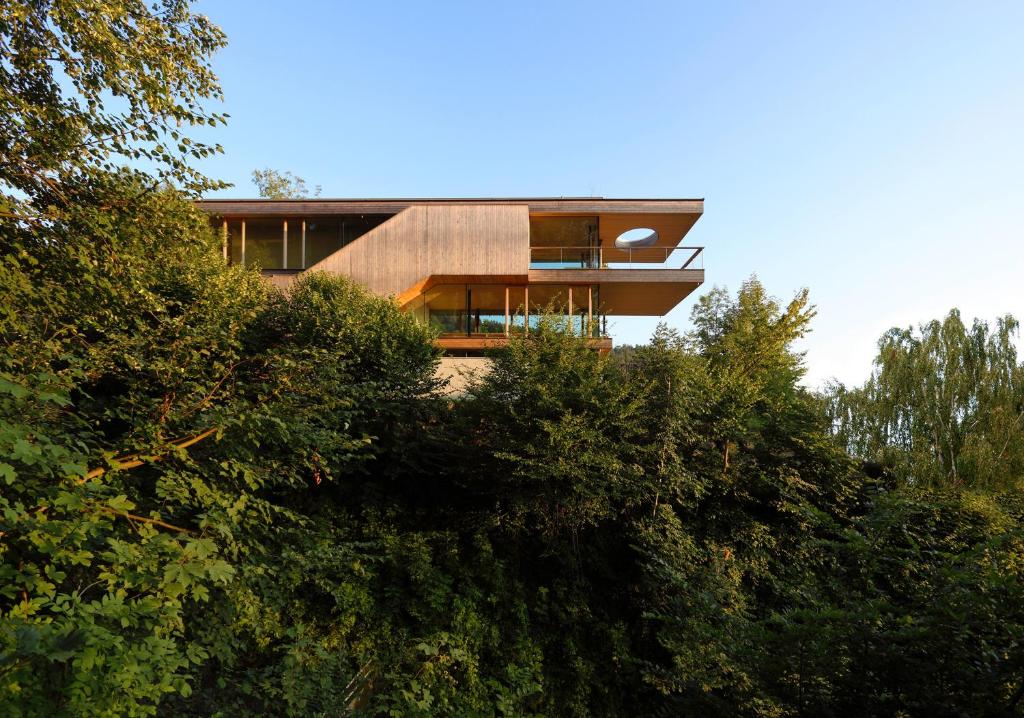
(637, 237)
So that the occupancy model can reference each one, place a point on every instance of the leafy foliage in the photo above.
(84, 84)
(109, 361)
(273, 184)
(216, 499)
(943, 408)
(222, 500)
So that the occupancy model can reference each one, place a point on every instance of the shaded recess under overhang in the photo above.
(425, 284)
(630, 292)
(671, 229)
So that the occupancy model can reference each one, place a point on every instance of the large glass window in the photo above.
(235, 241)
(323, 238)
(355, 226)
(326, 235)
(479, 309)
(264, 243)
(548, 298)
(487, 308)
(564, 242)
(517, 309)
(309, 240)
(563, 231)
(294, 227)
(444, 309)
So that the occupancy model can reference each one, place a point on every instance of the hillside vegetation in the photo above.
(216, 499)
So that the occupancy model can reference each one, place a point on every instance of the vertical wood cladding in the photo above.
(424, 240)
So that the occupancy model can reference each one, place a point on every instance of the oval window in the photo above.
(639, 237)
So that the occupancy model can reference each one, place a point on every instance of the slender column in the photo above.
(569, 309)
(526, 309)
(224, 239)
(506, 310)
(303, 244)
(243, 242)
(590, 310)
(284, 250)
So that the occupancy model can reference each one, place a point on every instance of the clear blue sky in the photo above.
(873, 152)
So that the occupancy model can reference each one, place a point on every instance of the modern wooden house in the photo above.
(480, 270)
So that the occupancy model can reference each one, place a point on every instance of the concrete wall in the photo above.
(459, 371)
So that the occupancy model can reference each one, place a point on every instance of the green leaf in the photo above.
(120, 503)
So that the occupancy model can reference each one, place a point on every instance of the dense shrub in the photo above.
(216, 499)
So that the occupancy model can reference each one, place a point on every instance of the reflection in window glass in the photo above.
(580, 306)
(444, 309)
(563, 231)
(517, 309)
(487, 308)
(323, 238)
(235, 242)
(294, 243)
(479, 309)
(600, 322)
(564, 242)
(548, 299)
(355, 226)
(326, 235)
(264, 243)
(264, 238)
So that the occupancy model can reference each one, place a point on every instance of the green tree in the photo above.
(220, 499)
(85, 86)
(944, 406)
(165, 419)
(273, 184)
(758, 479)
(662, 504)
(921, 611)
(122, 331)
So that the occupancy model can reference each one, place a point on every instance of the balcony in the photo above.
(577, 258)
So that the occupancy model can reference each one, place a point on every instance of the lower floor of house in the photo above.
(472, 316)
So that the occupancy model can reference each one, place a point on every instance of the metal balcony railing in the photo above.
(616, 258)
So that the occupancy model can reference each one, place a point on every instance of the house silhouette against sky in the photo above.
(480, 270)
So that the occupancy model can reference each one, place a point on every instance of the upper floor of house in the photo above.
(452, 259)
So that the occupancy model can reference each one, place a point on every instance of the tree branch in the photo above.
(143, 519)
(22, 217)
(133, 460)
(206, 399)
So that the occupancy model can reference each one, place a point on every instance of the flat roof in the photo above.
(557, 205)
(590, 198)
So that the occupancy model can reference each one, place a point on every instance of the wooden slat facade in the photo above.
(487, 241)
(426, 240)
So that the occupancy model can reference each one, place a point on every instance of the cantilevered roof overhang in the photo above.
(629, 292)
(672, 219)
(623, 291)
(537, 205)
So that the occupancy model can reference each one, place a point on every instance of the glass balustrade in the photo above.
(616, 258)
